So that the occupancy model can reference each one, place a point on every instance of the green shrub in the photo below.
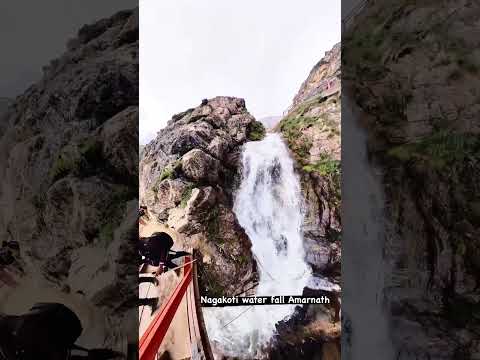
(438, 150)
(291, 128)
(62, 167)
(80, 160)
(242, 260)
(301, 149)
(166, 174)
(256, 131)
(326, 166)
(331, 170)
(186, 195)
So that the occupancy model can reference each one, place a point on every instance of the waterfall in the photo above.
(268, 205)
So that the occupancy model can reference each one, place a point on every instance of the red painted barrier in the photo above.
(153, 336)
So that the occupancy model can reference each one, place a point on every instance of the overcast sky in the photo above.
(260, 50)
(34, 32)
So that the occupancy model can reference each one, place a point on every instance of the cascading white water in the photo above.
(268, 205)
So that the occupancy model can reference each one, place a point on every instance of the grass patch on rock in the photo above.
(169, 172)
(326, 166)
(186, 195)
(256, 131)
(213, 226)
(166, 174)
(82, 160)
(438, 150)
(62, 167)
(291, 128)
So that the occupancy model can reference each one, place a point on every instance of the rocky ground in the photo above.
(187, 177)
(412, 72)
(69, 181)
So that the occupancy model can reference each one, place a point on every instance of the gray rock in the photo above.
(200, 167)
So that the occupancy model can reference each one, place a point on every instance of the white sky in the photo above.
(259, 50)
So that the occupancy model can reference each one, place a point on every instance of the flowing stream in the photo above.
(268, 205)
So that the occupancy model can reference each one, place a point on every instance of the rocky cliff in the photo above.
(311, 129)
(69, 182)
(413, 77)
(323, 76)
(187, 177)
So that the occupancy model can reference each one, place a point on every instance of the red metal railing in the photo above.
(153, 336)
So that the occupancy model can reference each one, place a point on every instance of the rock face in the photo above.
(421, 121)
(69, 179)
(313, 332)
(311, 129)
(187, 177)
(324, 77)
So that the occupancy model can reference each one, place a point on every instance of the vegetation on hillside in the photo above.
(256, 131)
(305, 116)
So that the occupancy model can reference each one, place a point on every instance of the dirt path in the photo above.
(176, 341)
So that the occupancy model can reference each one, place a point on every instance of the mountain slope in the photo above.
(69, 179)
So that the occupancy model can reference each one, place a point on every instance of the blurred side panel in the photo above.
(410, 150)
(69, 172)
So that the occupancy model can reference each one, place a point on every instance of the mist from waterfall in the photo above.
(268, 205)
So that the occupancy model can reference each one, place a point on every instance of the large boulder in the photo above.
(198, 166)
(218, 127)
(199, 151)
